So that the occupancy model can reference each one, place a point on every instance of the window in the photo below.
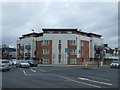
(69, 32)
(82, 52)
(59, 42)
(45, 42)
(72, 42)
(18, 46)
(59, 51)
(5, 51)
(21, 54)
(22, 47)
(82, 43)
(28, 47)
(72, 60)
(46, 60)
(59, 60)
(26, 54)
(73, 51)
(45, 51)
(50, 32)
(59, 32)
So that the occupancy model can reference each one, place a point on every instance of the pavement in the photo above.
(52, 76)
(63, 65)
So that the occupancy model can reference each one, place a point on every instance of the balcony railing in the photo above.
(22, 47)
(28, 47)
(27, 54)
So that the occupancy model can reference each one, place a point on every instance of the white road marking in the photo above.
(68, 79)
(95, 77)
(78, 81)
(23, 71)
(84, 83)
(32, 70)
(94, 81)
(42, 70)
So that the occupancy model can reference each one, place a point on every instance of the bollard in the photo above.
(86, 65)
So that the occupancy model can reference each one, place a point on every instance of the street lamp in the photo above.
(117, 54)
(33, 30)
(114, 54)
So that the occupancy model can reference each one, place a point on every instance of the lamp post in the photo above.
(114, 54)
(117, 54)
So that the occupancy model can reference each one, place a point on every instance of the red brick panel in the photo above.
(39, 50)
(69, 55)
(85, 48)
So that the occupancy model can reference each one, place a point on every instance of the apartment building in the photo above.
(7, 52)
(58, 46)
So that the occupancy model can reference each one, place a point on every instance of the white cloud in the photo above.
(100, 18)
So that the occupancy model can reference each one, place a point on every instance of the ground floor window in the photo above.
(59, 60)
(45, 60)
(72, 60)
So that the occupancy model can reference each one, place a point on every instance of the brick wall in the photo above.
(40, 46)
(85, 48)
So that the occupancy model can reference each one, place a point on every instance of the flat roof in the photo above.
(59, 29)
(31, 34)
(95, 34)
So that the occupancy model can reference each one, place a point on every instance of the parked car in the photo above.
(22, 63)
(32, 63)
(115, 64)
(11, 62)
(14, 62)
(5, 65)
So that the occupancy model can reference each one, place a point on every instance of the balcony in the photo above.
(28, 47)
(22, 47)
(21, 54)
(27, 54)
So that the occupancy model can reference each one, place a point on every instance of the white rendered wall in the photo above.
(64, 40)
(94, 41)
(55, 41)
(28, 41)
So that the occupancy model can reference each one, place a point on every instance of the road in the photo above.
(60, 77)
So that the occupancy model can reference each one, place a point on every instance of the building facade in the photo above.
(58, 46)
(7, 52)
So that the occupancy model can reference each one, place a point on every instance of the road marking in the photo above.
(78, 81)
(68, 79)
(23, 71)
(94, 81)
(42, 70)
(95, 77)
(83, 83)
(32, 70)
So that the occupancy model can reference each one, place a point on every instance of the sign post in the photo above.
(66, 51)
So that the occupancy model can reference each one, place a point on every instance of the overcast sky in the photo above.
(100, 18)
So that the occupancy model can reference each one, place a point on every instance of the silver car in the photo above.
(22, 63)
(115, 64)
(5, 65)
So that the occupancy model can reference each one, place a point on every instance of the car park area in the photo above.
(61, 77)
